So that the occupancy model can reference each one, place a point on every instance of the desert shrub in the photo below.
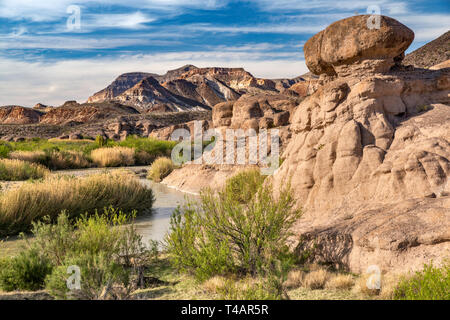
(295, 279)
(244, 185)
(221, 235)
(105, 247)
(160, 169)
(5, 149)
(29, 156)
(26, 271)
(16, 170)
(341, 282)
(316, 279)
(113, 157)
(58, 160)
(33, 201)
(155, 148)
(101, 141)
(108, 253)
(431, 283)
(143, 158)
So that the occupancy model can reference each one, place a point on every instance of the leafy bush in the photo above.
(5, 149)
(15, 170)
(431, 283)
(113, 157)
(105, 247)
(222, 234)
(33, 201)
(26, 271)
(107, 251)
(101, 141)
(155, 148)
(160, 169)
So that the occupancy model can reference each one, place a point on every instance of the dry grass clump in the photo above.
(160, 169)
(37, 156)
(362, 287)
(389, 283)
(113, 157)
(33, 201)
(340, 282)
(16, 170)
(214, 284)
(316, 279)
(68, 160)
(295, 279)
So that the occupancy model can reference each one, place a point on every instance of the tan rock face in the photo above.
(350, 41)
(369, 157)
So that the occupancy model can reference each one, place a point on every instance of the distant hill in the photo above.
(187, 88)
(431, 54)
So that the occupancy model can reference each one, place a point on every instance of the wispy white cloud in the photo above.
(134, 20)
(49, 10)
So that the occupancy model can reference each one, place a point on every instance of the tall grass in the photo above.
(59, 160)
(16, 170)
(160, 169)
(37, 156)
(32, 201)
(113, 157)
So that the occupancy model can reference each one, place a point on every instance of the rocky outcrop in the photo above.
(431, 54)
(256, 112)
(350, 42)
(18, 115)
(369, 157)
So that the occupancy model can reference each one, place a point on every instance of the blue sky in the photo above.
(42, 60)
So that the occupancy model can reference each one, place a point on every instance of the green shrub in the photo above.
(160, 169)
(101, 141)
(221, 234)
(243, 186)
(155, 148)
(26, 271)
(429, 284)
(102, 247)
(106, 247)
(5, 149)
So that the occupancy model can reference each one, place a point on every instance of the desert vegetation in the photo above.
(106, 248)
(113, 157)
(14, 170)
(57, 154)
(240, 231)
(35, 200)
(160, 169)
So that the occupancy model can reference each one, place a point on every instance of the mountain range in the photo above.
(187, 88)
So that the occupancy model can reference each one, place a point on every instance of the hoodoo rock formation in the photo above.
(369, 157)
